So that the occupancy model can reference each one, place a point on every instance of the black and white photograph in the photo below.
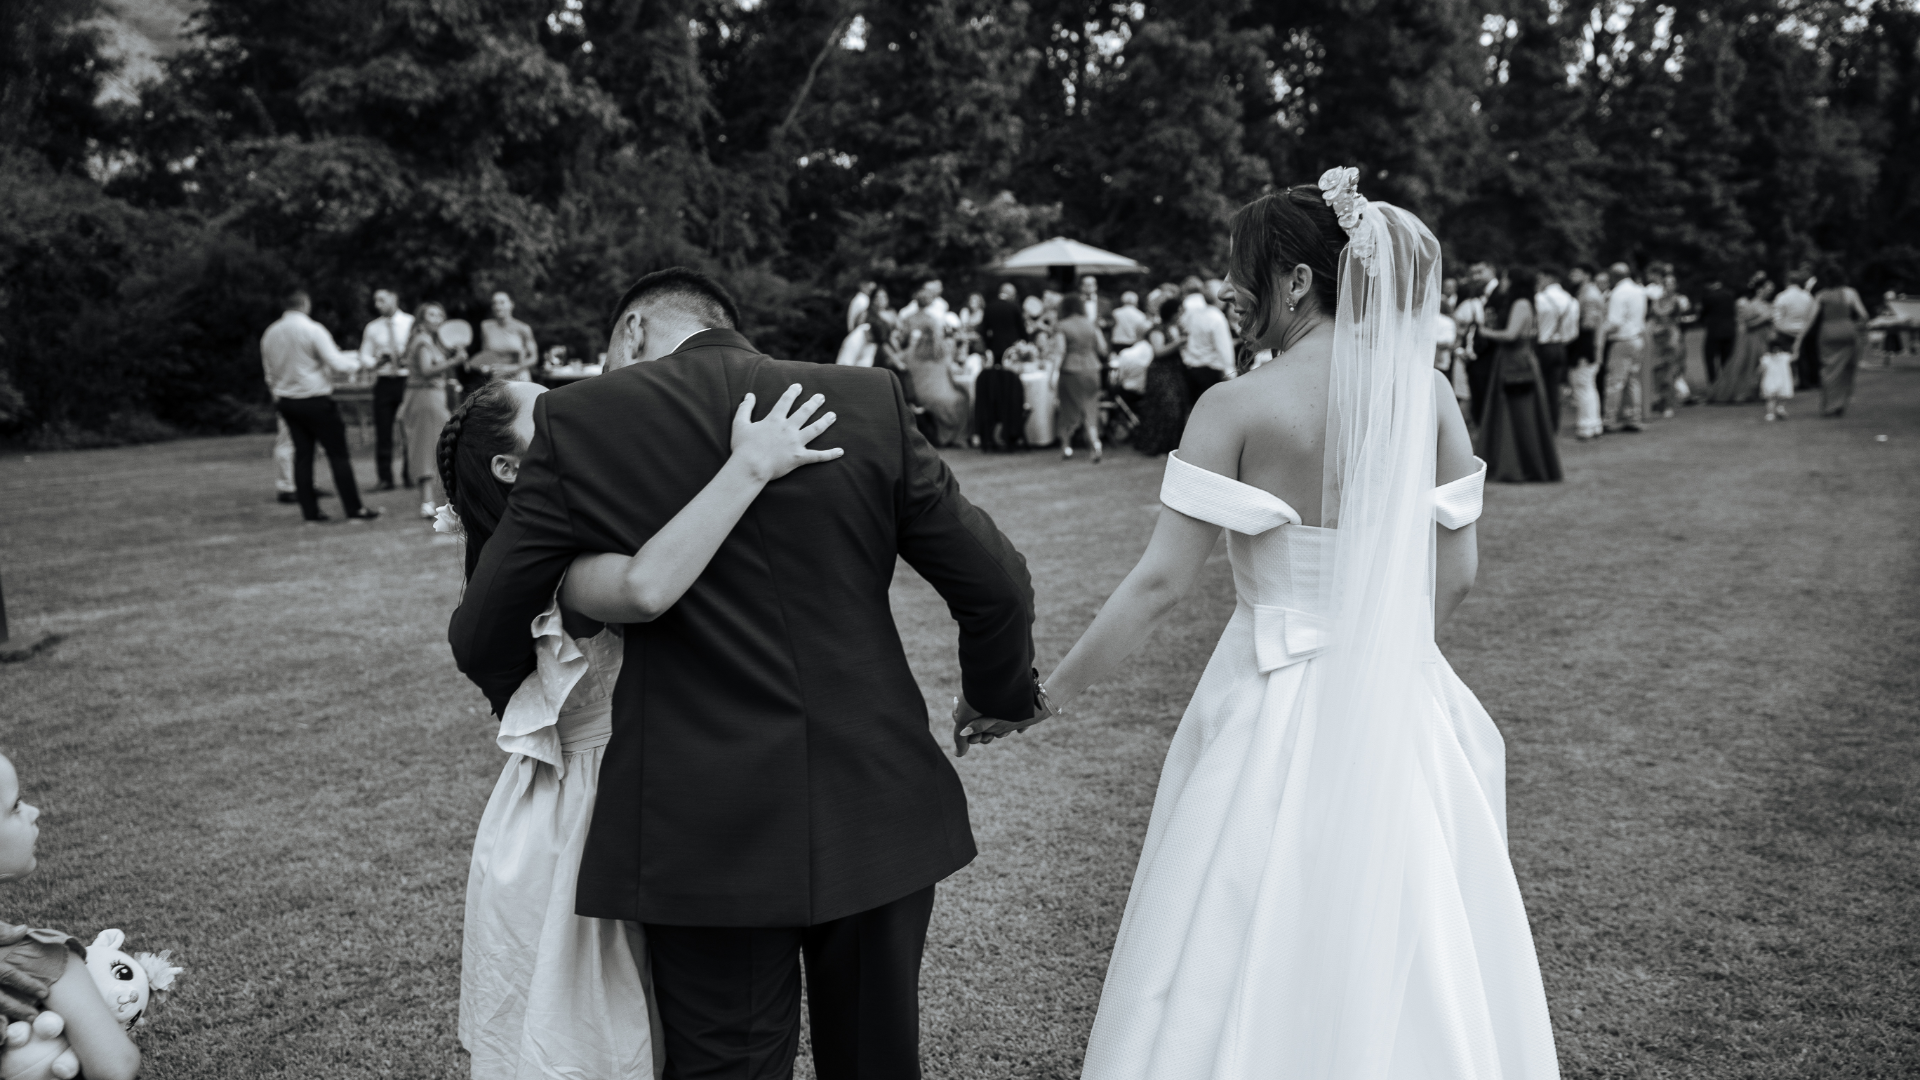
(960, 540)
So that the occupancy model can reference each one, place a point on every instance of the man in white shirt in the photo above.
(1207, 351)
(383, 347)
(1626, 335)
(1793, 312)
(1559, 316)
(296, 354)
(1130, 324)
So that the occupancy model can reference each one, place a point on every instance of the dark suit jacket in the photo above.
(771, 763)
(1001, 325)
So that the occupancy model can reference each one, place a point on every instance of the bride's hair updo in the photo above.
(1275, 233)
(480, 428)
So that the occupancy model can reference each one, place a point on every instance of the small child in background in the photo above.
(46, 969)
(1776, 376)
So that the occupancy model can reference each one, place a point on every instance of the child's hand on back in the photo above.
(777, 444)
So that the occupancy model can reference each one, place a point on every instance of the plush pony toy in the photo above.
(39, 1050)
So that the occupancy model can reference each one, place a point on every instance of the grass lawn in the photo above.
(252, 748)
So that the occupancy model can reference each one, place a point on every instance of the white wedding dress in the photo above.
(1207, 980)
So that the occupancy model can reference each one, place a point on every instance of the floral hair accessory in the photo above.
(1340, 187)
(447, 520)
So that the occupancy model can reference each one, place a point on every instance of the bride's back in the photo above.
(1277, 414)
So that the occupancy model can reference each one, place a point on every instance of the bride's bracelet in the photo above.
(1042, 702)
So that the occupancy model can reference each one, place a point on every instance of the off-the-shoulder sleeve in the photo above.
(1456, 504)
(529, 723)
(1221, 500)
(31, 961)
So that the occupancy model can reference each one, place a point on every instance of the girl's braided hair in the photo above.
(479, 429)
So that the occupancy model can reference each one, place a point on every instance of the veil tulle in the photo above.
(1358, 900)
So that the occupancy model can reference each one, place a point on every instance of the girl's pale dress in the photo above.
(545, 993)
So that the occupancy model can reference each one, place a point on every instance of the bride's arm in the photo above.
(1456, 551)
(641, 587)
(1166, 571)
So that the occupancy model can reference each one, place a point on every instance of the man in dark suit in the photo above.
(1002, 325)
(771, 787)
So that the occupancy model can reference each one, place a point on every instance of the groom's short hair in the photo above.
(685, 288)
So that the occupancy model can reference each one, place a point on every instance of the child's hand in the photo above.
(777, 445)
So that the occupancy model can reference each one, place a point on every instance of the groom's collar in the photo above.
(713, 335)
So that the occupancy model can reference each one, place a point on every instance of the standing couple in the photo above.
(1324, 889)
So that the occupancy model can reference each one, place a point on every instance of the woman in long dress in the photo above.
(1843, 327)
(423, 409)
(1077, 381)
(942, 402)
(1516, 433)
(1324, 891)
(1739, 381)
(545, 993)
(1164, 404)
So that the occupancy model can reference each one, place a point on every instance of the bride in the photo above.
(1324, 891)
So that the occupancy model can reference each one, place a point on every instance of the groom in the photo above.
(771, 787)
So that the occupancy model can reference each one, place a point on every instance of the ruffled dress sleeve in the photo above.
(31, 961)
(1456, 504)
(530, 724)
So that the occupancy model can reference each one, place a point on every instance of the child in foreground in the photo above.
(45, 970)
(1776, 376)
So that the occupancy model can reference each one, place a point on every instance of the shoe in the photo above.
(1066, 453)
(1769, 418)
(426, 510)
(1631, 427)
(365, 513)
(1667, 415)
(1098, 453)
(284, 497)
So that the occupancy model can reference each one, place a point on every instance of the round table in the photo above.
(1039, 392)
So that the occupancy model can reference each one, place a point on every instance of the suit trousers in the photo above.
(1719, 350)
(311, 420)
(388, 392)
(729, 997)
(1625, 394)
(1553, 376)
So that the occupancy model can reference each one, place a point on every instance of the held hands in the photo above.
(777, 444)
(971, 726)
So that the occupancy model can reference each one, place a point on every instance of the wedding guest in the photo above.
(1626, 336)
(1722, 324)
(1206, 341)
(1793, 312)
(507, 349)
(944, 405)
(1449, 295)
(1077, 381)
(1776, 376)
(857, 307)
(1843, 327)
(1164, 401)
(382, 344)
(934, 303)
(1130, 324)
(1667, 348)
(1559, 315)
(1739, 380)
(1098, 309)
(283, 465)
(1592, 297)
(1002, 325)
(1515, 437)
(972, 318)
(296, 354)
(882, 323)
(1470, 314)
(424, 412)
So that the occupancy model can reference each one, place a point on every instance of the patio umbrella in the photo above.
(1041, 259)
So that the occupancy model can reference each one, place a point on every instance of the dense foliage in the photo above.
(557, 149)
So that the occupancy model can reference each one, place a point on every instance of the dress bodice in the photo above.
(1281, 568)
(566, 704)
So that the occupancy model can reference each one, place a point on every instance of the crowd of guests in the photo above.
(1525, 346)
(1129, 369)
(420, 369)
